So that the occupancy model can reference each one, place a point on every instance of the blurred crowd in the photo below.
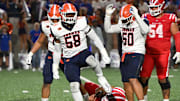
(22, 17)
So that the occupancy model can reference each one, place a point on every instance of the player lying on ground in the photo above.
(97, 93)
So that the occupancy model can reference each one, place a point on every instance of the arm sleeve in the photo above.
(57, 53)
(110, 28)
(143, 26)
(177, 41)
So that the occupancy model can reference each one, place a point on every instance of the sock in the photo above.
(165, 99)
(145, 98)
(44, 99)
(86, 96)
(77, 96)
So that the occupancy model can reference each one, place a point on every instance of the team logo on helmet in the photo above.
(125, 15)
(69, 13)
(54, 15)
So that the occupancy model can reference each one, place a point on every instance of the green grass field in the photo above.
(13, 83)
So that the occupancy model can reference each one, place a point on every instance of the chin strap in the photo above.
(177, 41)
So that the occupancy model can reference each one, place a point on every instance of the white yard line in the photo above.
(155, 76)
(85, 79)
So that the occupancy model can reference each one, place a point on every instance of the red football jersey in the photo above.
(158, 40)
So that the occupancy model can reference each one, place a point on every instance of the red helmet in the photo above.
(54, 13)
(158, 4)
(69, 9)
(125, 15)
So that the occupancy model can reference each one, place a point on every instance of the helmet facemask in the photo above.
(69, 17)
(127, 21)
(158, 9)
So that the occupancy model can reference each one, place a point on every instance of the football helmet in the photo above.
(125, 16)
(54, 15)
(118, 94)
(156, 7)
(69, 13)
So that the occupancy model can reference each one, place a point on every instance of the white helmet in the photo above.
(54, 13)
(159, 4)
(69, 13)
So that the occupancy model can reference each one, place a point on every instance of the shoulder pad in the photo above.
(82, 22)
(172, 17)
(45, 27)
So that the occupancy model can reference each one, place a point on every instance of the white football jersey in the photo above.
(72, 41)
(133, 40)
(45, 27)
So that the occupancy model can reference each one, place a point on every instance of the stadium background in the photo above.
(25, 85)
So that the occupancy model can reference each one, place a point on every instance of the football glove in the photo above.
(55, 71)
(110, 9)
(104, 83)
(29, 58)
(176, 57)
(105, 56)
(134, 11)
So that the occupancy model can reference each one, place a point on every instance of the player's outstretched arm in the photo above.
(35, 47)
(143, 26)
(176, 33)
(56, 59)
(107, 21)
(93, 36)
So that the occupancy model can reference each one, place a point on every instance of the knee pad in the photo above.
(90, 60)
(144, 84)
(166, 85)
(75, 87)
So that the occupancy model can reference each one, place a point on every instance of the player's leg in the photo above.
(134, 63)
(90, 60)
(7, 59)
(128, 91)
(72, 73)
(1, 60)
(48, 76)
(82, 89)
(145, 73)
(163, 73)
(127, 86)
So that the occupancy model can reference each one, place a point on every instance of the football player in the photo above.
(162, 26)
(71, 33)
(133, 31)
(97, 93)
(48, 72)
